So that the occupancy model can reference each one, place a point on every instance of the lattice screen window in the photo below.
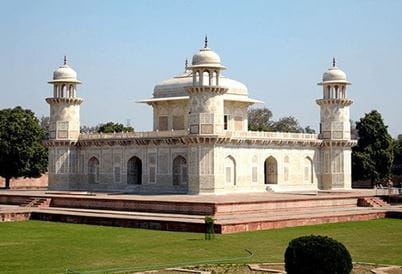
(178, 122)
(163, 122)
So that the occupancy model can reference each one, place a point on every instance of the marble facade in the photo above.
(200, 143)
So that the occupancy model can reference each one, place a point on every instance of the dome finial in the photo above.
(333, 62)
(65, 60)
(206, 41)
(186, 64)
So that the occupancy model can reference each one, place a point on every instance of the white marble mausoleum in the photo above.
(200, 142)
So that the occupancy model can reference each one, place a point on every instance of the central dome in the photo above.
(176, 86)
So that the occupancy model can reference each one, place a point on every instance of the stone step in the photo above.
(36, 202)
(224, 224)
(372, 202)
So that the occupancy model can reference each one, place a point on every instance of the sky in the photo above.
(278, 49)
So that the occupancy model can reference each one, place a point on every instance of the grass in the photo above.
(49, 247)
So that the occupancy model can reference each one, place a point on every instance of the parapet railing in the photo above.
(180, 133)
(387, 191)
(271, 135)
(135, 134)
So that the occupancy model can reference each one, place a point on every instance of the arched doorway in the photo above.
(271, 170)
(134, 171)
(308, 170)
(180, 173)
(230, 171)
(93, 170)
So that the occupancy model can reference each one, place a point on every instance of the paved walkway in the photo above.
(213, 198)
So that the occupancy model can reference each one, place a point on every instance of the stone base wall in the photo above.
(198, 168)
(27, 183)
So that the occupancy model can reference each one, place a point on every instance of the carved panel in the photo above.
(194, 129)
(163, 163)
(207, 129)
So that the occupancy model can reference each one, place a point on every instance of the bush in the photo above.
(209, 227)
(317, 255)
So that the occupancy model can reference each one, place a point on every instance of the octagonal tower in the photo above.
(206, 115)
(64, 105)
(335, 130)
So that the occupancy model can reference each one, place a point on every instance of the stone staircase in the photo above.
(371, 202)
(36, 202)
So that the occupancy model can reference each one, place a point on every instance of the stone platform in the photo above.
(232, 213)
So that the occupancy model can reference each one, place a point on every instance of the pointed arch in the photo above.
(134, 171)
(205, 78)
(93, 170)
(63, 90)
(308, 170)
(70, 91)
(230, 171)
(271, 170)
(180, 171)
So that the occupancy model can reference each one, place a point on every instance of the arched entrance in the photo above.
(308, 170)
(230, 171)
(271, 170)
(134, 171)
(180, 173)
(93, 170)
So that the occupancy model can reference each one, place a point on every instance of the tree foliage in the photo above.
(88, 129)
(373, 156)
(317, 255)
(260, 119)
(111, 127)
(397, 164)
(44, 124)
(287, 124)
(22, 153)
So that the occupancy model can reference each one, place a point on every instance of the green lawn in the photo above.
(48, 247)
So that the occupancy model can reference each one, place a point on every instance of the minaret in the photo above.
(335, 130)
(64, 105)
(206, 95)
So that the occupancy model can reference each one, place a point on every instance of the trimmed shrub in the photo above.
(317, 255)
(209, 227)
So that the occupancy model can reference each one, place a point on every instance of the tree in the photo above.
(259, 119)
(397, 164)
(22, 153)
(44, 124)
(287, 124)
(308, 129)
(373, 156)
(353, 130)
(111, 127)
(87, 129)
